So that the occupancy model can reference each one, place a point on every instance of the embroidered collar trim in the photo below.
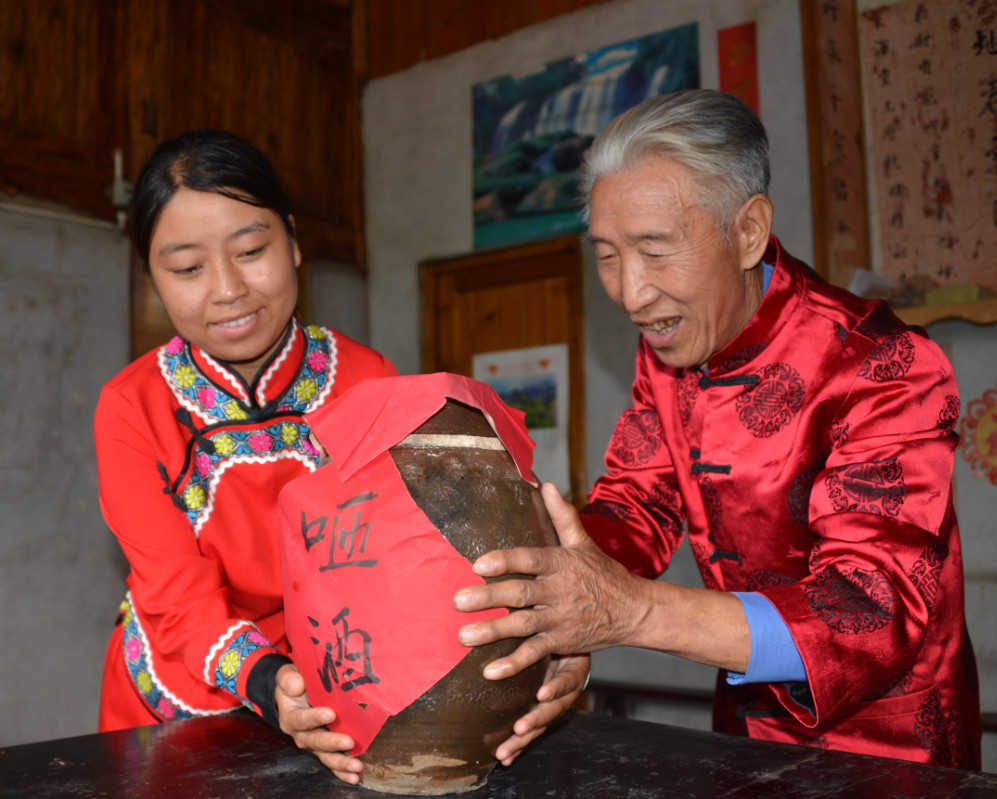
(298, 379)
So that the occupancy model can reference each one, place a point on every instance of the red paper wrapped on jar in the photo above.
(424, 475)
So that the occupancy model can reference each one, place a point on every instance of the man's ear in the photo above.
(751, 230)
(295, 252)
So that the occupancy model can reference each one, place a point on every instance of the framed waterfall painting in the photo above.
(531, 129)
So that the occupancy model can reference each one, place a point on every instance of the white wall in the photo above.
(339, 298)
(417, 184)
(63, 334)
(973, 352)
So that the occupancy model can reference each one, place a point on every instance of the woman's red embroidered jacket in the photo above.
(190, 460)
(813, 463)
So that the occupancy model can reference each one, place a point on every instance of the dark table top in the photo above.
(583, 756)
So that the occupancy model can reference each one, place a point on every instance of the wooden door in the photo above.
(524, 296)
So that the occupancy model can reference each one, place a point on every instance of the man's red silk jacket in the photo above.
(812, 460)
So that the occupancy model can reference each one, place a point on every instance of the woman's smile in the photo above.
(225, 270)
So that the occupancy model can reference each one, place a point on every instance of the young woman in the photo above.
(195, 441)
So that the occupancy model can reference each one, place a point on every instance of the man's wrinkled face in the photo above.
(663, 260)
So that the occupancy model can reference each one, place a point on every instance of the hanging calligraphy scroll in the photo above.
(930, 71)
(837, 158)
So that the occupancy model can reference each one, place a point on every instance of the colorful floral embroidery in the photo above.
(184, 376)
(194, 496)
(231, 660)
(210, 402)
(310, 385)
(139, 668)
(224, 445)
(277, 440)
(289, 434)
(234, 411)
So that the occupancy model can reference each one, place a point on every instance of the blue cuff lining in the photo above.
(774, 656)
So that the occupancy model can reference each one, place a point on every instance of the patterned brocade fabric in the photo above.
(811, 460)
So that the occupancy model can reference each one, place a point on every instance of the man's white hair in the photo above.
(714, 135)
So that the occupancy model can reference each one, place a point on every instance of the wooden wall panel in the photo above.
(61, 99)
(282, 78)
(404, 32)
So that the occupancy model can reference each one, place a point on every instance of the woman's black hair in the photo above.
(205, 160)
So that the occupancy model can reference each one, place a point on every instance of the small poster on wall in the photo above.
(531, 129)
(535, 380)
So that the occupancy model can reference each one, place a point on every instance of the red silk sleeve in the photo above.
(881, 511)
(635, 512)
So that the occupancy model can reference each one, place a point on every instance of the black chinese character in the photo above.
(884, 77)
(832, 52)
(925, 66)
(921, 13)
(882, 47)
(897, 220)
(922, 40)
(990, 93)
(336, 664)
(927, 97)
(890, 163)
(840, 190)
(897, 190)
(945, 271)
(838, 141)
(312, 540)
(986, 42)
(346, 541)
(830, 10)
(992, 155)
(936, 152)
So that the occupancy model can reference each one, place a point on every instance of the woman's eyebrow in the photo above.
(169, 248)
(250, 228)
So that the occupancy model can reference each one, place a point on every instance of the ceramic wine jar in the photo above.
(471, 490)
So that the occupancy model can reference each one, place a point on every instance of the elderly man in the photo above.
(804, 436)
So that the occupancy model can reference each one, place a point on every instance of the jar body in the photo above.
(445, 741)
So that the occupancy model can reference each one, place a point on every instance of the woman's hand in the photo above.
(565, 680)
(306, 725)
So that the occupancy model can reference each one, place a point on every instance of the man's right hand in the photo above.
(307, 726)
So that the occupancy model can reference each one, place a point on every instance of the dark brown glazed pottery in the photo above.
(445, 741)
